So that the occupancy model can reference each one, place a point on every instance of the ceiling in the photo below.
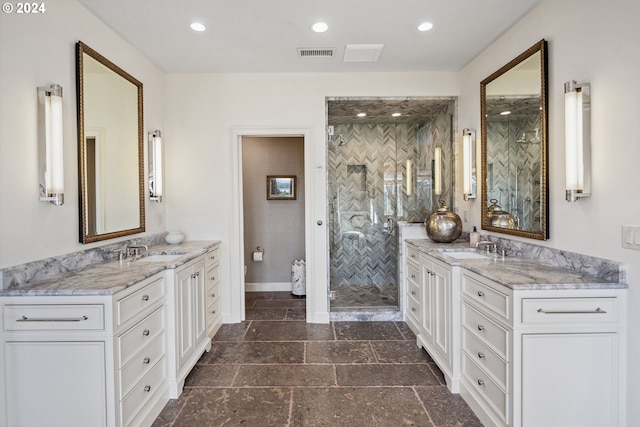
(263, 36)
(379, 110)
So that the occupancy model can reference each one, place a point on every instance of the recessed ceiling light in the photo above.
(362, 114)
(320, 27)
(505, 113)
(396, 114)
(196, 26)
(425, 26)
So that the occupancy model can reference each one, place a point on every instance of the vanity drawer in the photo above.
(141, 364)
(132, 341)
(569, 310)
(131, 305)
(486, 296)
(212, 256)
(53, 317)
(413, 254)
(413, 309)
(213, 308)
(213, 292)
(485, 357)
(213, 276)
(413, 273)
(489, 332)
(142, 392)
(413, 290)
(491, 392)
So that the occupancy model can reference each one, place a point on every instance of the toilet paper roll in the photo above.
(258, 256)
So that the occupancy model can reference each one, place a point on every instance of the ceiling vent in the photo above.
(362, 52)
(319, 52)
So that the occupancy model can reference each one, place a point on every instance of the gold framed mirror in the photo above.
(514, 150)
(110, 148)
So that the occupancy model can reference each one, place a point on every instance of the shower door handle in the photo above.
(390, 226)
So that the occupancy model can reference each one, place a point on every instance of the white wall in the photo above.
(38, 50)
(596, 42)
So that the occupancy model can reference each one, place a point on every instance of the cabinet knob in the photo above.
(480, 328)
(145, 297)
(413, 256)
(147, 388)
(145, 332)
(146, 360)
(213, 278)
(480, 355)
(480, 293)
(213, 312)
(413, 309)
(197, 273)
(480, 382)
(413, 292)
(213, 295)
(193, 276)
(413, 276)
(212, 257)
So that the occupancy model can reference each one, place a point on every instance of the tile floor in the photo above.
(277, 370)
(363, 296)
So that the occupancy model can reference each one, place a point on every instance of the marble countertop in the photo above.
(514, 272)
(111, 277)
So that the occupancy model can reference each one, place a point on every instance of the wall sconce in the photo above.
(51, 147)
(577, 127)
(155, 166)
(469, 164)
(437, 171)
(409, 177)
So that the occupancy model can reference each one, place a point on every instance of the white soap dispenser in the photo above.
(474, 237)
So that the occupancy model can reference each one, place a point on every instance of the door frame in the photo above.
(317, 310)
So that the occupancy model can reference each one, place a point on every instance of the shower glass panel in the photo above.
(368, 192)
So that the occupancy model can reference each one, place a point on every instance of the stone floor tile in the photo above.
(265, 313)
(406, 331)
(285, 375)
(355, 407)
(385, 375)
(281, 303)
(367, 331)
(211, 376)
(296, 313)
(254, 352)
(235, 407)
(400, 352)
(169, 412)
(446, 409)
(231, 332)
(286, 295)
(339, 352)
(438, 373)
(288, 331)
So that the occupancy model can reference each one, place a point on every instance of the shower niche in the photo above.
(381, 170)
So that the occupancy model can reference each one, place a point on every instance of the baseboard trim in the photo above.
(268, 287)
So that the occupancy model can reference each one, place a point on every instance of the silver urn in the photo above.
(443, 225)
(498, 217)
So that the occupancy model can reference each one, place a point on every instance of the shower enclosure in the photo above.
(380, 171)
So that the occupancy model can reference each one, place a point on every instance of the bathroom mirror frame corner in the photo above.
(514, 157)
(110, 148)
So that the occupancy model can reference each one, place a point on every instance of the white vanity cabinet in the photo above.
(439, 316)
(187, 320)
(84, 360)
(543, 357)
(214, 312)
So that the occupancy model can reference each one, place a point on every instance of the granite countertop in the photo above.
(111, 277)
(514, 272)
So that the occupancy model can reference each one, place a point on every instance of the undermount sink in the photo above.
(465, 255)
(159, 258)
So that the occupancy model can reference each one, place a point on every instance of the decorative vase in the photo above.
(443, 225)
(174, 238)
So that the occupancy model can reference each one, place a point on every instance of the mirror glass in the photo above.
(110, 147)
(514, 146)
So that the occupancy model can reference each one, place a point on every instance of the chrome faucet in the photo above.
(134, 250)
(488, 244)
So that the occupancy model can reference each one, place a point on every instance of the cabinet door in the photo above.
(569, 379)
(441, 279)
(55, 384)
(185, 292)
(199, 302)
(426, 329)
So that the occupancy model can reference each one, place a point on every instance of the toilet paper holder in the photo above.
(258, 254)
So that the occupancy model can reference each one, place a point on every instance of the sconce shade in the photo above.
(577, 140)
(409, 177)
(51, 144)
(155, 166)
(469, 164)
(437, 172)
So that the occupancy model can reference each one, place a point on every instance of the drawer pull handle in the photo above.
(413, 256)
(413, 292)
(145, 297)
(213, 295)
(52, 319)
(480, 294)
(147, 388)
(146, 360)
(413, 309)
(598, 310)
(213, 312)
(480, 328)
(413, 276)
(212, 257)
(480, 382)
(145, 332)
(480, 355)
(213, 277)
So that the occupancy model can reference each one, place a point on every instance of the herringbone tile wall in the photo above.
(367, 185)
